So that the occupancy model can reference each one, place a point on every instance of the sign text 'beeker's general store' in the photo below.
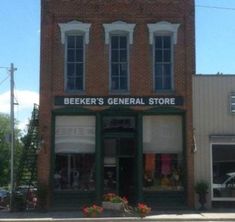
(118, 101)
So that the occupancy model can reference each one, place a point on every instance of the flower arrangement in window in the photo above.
(142, 210)
(92, 211)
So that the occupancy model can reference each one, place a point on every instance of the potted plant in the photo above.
(142, 210)
(114, 202)
(92, 211)
(201, 188)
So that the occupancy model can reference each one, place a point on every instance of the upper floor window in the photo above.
(119, 35)
(119, 62)
(75, 35)
(232, 103)
(163, 35)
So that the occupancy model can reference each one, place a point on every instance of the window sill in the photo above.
(117, 93)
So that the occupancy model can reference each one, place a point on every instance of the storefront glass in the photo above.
(162, 153)
(223, 182)
(74, 153)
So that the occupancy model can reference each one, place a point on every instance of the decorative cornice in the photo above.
(74, 26)
(119, 26)
(163, 27)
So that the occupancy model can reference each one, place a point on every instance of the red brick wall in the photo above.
(97, 12)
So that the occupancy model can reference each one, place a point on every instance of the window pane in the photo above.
(70, 83)
(70, 69)
(158, 42)
(223, 171)
(158, 83)
(167, 42)
(158, 56)
(167, 55)
(79, 83)
(114, 42)
(71, 55)
(167, 83)
(167, 70)
(115, 70)
(123, 83)
(115, 56)
(115, 83)
(79, 42)
(79, 55)
(123, 69)
(123, 56)
(79, 69)
(123, 42)
(71, 41)
(158, 70)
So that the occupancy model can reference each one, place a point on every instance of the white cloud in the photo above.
(25, 99)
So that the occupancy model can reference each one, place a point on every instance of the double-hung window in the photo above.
(75, 36)
(163, 62)
(162, 37)
(75, 62)
(119, 62)
(119, 36)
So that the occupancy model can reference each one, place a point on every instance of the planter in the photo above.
(112, 206)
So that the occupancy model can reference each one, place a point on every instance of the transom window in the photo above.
(75, 62)
(119, 62)
(163, 63)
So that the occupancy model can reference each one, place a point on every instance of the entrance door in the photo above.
(119, 166)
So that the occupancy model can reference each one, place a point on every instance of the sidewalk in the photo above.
(226, 215)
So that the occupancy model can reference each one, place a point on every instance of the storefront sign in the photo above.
(119, 101)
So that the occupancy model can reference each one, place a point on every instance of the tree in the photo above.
(5, 135)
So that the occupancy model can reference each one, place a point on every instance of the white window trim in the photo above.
(118, 26)
(74, 26)
(211, 171)
(158, 29)
(163, 26)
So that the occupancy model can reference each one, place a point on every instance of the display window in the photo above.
(223, 171)
(162, 153)
(74, 167)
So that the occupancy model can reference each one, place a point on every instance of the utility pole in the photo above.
(12, 70)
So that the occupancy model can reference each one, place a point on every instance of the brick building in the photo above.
(116, 100)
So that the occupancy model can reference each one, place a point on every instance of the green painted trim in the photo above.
(72, 111)
(99, 162)
(139, 158)
(163, 110)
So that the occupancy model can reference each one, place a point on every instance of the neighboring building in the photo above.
(116, 101)
(214, 124)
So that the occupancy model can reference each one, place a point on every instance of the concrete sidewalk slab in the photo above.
(77, 216)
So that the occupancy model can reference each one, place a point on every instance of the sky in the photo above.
(20, 44)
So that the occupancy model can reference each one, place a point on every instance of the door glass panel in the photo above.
(110, 165)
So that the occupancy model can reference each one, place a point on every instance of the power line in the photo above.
(215, 7)
(4, 80)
